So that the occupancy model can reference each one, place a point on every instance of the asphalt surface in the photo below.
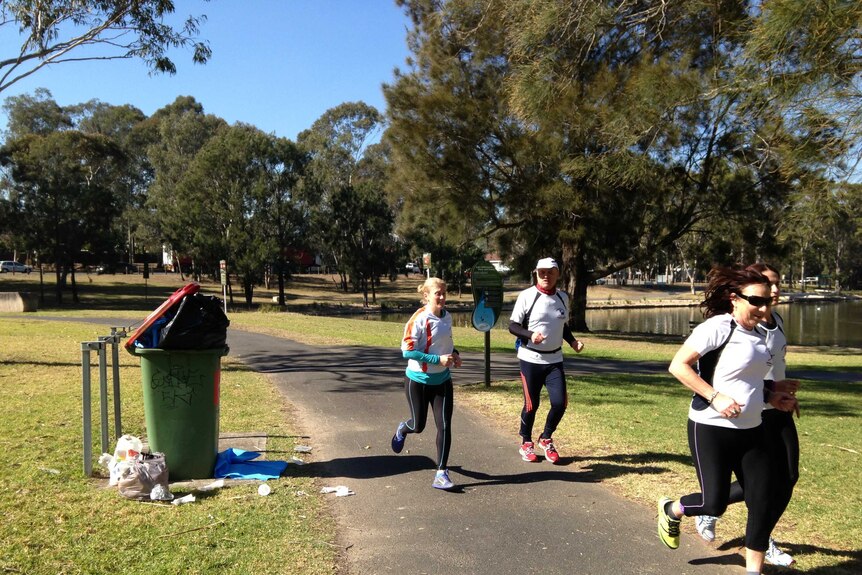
(505, 515)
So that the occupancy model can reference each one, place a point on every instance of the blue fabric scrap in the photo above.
(236, 463)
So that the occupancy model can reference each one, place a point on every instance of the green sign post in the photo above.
(487, 285)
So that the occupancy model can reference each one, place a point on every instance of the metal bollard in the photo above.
(86, 348)
(100, 346)
(117, 335)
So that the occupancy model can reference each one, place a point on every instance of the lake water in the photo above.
(813, 324)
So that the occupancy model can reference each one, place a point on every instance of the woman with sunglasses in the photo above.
(724, 421)
(778, 426)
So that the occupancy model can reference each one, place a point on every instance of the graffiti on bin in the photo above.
(177, 386)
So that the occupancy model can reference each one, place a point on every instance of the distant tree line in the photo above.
(109, 181)
(612, 134)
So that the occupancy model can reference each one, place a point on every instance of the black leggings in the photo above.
(439, 397)
(533, 377)
(720, 451)
(782, 441)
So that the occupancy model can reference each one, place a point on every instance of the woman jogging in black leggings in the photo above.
(781, 437)
(430, 351)
(724, 421)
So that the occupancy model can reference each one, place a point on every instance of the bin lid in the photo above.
(175, 298)
(155, 351)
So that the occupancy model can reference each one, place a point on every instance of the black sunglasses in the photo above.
(756, 300)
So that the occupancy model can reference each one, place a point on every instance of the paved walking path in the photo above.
(505, 516)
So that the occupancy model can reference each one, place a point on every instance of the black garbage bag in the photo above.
(200, 323)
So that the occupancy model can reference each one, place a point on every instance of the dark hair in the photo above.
(761, 267)
(723, 281)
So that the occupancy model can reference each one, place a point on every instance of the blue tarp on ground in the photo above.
(238, 464)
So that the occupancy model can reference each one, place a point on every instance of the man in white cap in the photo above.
(540, 321)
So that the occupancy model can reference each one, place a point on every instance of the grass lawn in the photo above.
(57, 521)
(628, 429)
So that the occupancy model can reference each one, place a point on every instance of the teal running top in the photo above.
(425, 377)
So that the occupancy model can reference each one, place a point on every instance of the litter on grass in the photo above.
(161, 493)
(217, 484)
(190, 498)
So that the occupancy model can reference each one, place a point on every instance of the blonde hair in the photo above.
(425, 288)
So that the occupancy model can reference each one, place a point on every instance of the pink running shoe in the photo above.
(527, 453)
(547, 446)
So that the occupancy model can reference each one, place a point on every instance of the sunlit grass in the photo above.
(58, 521)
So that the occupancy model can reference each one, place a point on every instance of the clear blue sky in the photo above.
(276, 64)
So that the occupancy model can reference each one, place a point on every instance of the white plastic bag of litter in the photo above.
(127, 450)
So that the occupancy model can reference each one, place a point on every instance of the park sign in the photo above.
(487, 284)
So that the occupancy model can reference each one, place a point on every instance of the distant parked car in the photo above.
(17, 267)
(412, 267)
(117, 268)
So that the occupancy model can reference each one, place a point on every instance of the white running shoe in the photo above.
(442, 481)
(705, 525)
(776, 556)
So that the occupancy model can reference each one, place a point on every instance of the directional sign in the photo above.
(487, 286)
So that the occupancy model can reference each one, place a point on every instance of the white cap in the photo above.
(546, 264)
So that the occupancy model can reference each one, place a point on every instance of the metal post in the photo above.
(116, 335)
(87, 415)
(488, 358)
(103, 392)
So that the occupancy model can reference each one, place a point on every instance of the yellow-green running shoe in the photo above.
(668, 527)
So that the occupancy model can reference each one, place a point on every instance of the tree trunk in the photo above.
(802, 271)
(58, 273)
(836, 284)
(75, 297)
(576, 278)
(248, 287)
(281, 301)
(178, 267)
(365, 291)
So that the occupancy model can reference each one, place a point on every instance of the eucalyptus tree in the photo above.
(39, 116)
(51, 32)
(174, 135)
(285, 211)
(64, 192)
(344, 186)
(36, 113)
(221, 201)
(122, 125)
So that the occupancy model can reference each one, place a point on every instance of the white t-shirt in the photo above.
(776, 343)
(739, 373)
(549, 316)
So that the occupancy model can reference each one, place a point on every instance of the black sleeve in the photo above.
(568, 335)
(518, 330)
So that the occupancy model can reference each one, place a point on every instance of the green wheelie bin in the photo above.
(181, 407)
